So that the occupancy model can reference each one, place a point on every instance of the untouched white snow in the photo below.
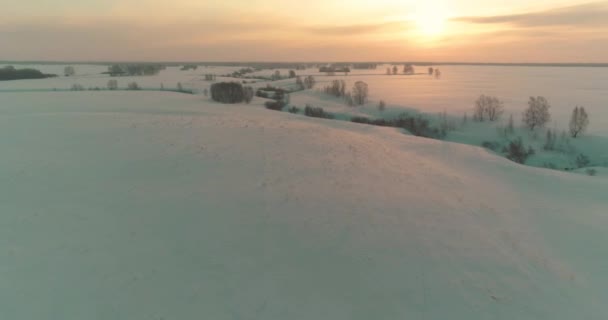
(149, 205)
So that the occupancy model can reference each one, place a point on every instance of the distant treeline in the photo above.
(10, 73)
(134, 69)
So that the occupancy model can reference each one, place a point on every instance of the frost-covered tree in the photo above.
(537, 114)
(395, 70)
(487, 107)
(300, 83)
(408, 69)
(510, 125)
(69, 71)
(309, 82)
(579, 121)
(248, 94)
(550, 140)
(431, 71)
(381, 105)
(360, 93)
(292, 74)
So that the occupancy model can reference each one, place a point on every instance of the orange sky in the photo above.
(312, 30)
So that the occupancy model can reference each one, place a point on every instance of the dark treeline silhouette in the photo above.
(10, 73)
(134, 69)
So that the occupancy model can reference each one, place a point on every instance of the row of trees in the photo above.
(231, 92)
(356, 97)
(134, 69)
(537, 114)
(10, 73)
(307, 82)
(407, 69)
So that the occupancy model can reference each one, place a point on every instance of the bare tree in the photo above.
(112, 85)
(360, 92)
(381, 105)
(431, 71)
(292, 74)
(309, 82)
(579, 121)
(408, 69)
(69, 71)
(537, 114)
(487, 107)
(395, 69)
(300, 83)
(510, 125)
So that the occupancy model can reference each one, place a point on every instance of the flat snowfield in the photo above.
(150, 205)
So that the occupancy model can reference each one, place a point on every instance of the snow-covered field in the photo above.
(158, 205)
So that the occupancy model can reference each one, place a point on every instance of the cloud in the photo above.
(357, 29)
(590, 14)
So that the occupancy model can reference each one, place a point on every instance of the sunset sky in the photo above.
(310, 30)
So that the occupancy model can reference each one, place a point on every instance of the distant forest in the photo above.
(10, 73)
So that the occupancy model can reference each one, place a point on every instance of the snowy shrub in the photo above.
(550, 165)
(112, 85)
(516, 151)
(492, 145)
(579, 121)
(294, 109)
(357, 119)
(69, 71)
(77, 87)
(591, 172)
(248, 94)
(133, 86)
(582, 161)
(537, 114)
(275, 105)
(317, 112)
(227, 92)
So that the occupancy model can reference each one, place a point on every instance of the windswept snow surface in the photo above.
(149, 205)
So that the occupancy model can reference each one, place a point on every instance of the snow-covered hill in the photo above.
(148, 205)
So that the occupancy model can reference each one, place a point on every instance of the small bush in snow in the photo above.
(317, 112)
(516, 151)
(112, 84)
(582, 161)
(133, 86)
(492, 145)
(77, 87)
(275, 105)
(591, 172)
(294, 109)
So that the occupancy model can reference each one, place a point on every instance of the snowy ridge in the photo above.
(147, 205)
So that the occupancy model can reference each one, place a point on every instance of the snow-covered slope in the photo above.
(147, 205)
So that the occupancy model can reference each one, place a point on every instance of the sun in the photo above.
(430, 18)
